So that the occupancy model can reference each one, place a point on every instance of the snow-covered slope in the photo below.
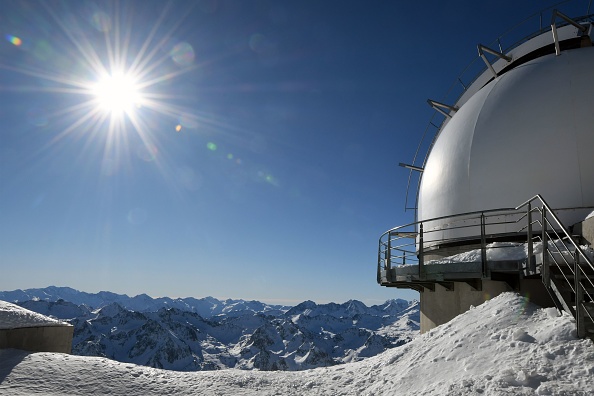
(307, 336)
(506, 346)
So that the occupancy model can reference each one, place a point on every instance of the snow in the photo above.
(505, 346)
(12, 316)
(510, 251)
(496, 251)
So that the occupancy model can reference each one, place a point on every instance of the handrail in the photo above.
(414, 223)
(389, 240)
(392, 239)
(471, 68)
(573, 268)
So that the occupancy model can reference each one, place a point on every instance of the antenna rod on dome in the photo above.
(439, 106)
(411, 167)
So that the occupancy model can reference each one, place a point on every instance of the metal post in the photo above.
(555, 38)
(531, 265)
(421, 258)
(579, 297)
(388, 259)
(557, 13)
(389, 253)
(484, 248)
(482, 49)
(546, 278)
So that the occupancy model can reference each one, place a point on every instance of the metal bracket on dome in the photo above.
(557, 13)
(482, 49)
(411, 167)
(439, 106)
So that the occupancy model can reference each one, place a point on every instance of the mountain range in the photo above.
(205, 307)
(192, 334)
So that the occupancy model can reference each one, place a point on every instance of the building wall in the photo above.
(38, 339)
(586, 230)
(442, 305)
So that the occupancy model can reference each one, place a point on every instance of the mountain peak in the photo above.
(112, 309)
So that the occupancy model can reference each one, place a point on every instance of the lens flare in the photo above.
(101, 21)
(14, 40)
(137, 216)
(147, 152)
(183, 54)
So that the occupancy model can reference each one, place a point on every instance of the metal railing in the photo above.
(533, 26)
(409, 244)
(565, 265)
(565, 268)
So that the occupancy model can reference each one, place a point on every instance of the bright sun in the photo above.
(122, 83)
(117, 93)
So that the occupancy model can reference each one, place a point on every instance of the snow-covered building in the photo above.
(23, 329)
(507, 181)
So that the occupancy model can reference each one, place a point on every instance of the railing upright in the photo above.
(484, 247)
(380, 261)
(389, 254)
(531, 265)
(579, 296)
(421, 253)
(546, 277)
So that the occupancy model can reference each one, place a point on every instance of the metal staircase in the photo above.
(566, 269)
(574, 296)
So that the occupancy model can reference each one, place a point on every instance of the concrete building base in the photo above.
(586, 230)
(442, 305)
(38, 339)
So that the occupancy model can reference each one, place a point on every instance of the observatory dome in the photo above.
(529, 131)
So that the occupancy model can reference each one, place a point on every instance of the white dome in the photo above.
(529, 131)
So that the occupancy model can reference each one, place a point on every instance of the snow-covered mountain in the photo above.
(248, 335)
(506, 346)
(205, 307)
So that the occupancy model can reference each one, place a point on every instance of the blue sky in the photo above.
(260, 159)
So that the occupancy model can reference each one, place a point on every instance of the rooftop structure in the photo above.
(21, 328)
(510, 168)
